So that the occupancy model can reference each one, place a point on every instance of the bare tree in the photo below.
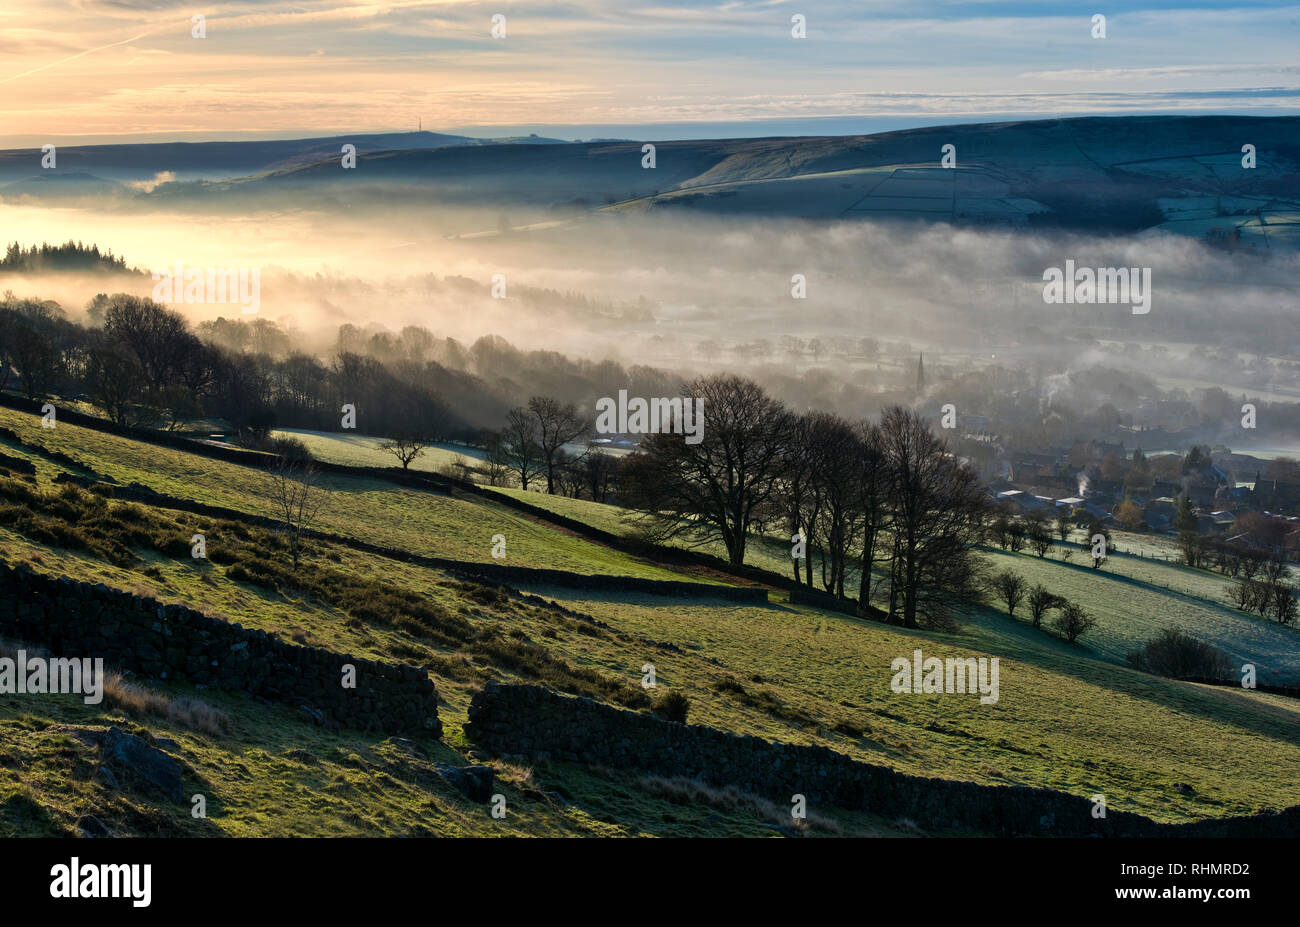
(710, 491)
(1275, 569)
(406, 447)
(38, 341)
(1063, 523)
(599, 470)
(998, 529)
(116, 383)
(557, 425)
(1244, 594)
(1276, 600)
(156, 334)
(297, 498)
(1180, 656)
(1283, 606)
(873, 508)
(796, 487)
(802, 465)
(1072, 621)
(1040, 603)
(937, 512)
(569, 476)
(1039, 533)
(1095, 528)
(496, 463)
(1016, 535)
(834, 475)
(1010, 587)
(518, 449)
(1190, 548)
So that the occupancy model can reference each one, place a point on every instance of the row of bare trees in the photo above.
(1271, 599)
(1234, 558)
(1012, 589)
(851, 494)
(531, 446)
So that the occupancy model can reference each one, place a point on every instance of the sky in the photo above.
(86, 71)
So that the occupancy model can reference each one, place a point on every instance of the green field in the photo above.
(364, 451)
(1133, 599)
(1067, 717)
(374, 510)
(1133, 596)
(1062, 719)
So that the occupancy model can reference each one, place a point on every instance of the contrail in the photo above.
(373, 6)
(46, 67)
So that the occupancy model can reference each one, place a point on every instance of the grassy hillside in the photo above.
(1067, 717)
(1062, 719)
(1133, 599)
(363, 451)
(1132, 596)
(370, 509)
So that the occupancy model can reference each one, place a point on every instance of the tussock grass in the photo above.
(681, 790)
(137, 700)
(74, 519)
(672, 706)
(762, 699)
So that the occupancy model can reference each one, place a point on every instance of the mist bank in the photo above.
(828, 314)
(265, 374)
(661, 287)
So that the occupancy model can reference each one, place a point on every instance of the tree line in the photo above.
(1071, 621)
(70, 256)
(853, 495)
(853, 498)
(143, 366)
(856, 499)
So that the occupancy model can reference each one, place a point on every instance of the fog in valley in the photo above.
(688, 293)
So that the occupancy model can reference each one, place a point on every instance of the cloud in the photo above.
(377, 64)
(147, 186)
(1163, 73)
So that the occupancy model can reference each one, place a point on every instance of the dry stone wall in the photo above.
(531, 720)
(172, 642)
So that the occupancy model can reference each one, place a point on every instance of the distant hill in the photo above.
(1122, 174)
(76, 183)
(1110, 175)
(1113, 175)
(216, 159)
